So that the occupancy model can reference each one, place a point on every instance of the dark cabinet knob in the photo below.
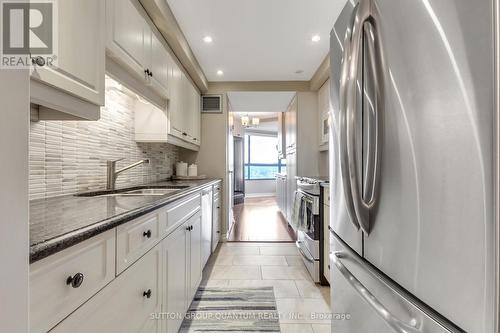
(218, 207)
(147, 234)
(150, 73)
(147, 293)
(184, 133)
(39, 61)
(188, 228)
(75, 281)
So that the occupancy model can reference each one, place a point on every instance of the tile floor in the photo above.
(277, 265)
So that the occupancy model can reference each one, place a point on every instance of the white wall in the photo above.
(256, 188)
(14, 222)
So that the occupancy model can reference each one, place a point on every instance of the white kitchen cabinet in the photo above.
(302, 153)
(184, 109)
(291, 126)
(135, 238)
(206, 216)
(281, 193)
(160, 65)
(323, 114)
(125, 305)
(216, 215)
(195, 248)
(281, 135)
(175, 259)
(128, 36)
(182, 270)
(54, 289)
(73, 88)
(136, 45)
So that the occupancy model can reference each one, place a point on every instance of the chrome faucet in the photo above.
(112, 173)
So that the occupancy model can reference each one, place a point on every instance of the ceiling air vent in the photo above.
(211, 104)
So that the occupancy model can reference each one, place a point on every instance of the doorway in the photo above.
(256, 163)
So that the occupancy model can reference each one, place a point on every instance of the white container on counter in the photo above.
(181, 169)
(193, 170)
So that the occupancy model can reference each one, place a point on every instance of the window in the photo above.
(261, 157)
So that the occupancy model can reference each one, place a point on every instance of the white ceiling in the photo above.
(260, 101)
(257, 40)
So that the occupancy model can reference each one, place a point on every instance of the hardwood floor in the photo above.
(259, 220)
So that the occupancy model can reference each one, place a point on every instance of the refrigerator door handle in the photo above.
(343, 123)
(398, 325)
(365, 21)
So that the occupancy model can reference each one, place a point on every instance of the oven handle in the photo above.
(310, 259)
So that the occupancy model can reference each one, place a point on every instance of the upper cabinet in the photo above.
(184, 109)
(134, 44)
(324, 114)
(73, 88)
(147, 66)
(281, 136)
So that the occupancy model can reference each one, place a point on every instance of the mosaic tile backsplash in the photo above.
(67, 157)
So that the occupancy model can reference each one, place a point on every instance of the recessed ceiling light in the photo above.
(316, 38)
(207, 39)
(219, 72)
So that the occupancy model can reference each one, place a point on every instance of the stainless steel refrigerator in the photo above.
(412, 167)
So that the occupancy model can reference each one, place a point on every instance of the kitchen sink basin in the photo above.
(149, 191)
(134, 191)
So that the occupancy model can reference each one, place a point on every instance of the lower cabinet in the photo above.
(182, 272)
(155, 283)
(175, 259)
(125, 305)
(206, 209)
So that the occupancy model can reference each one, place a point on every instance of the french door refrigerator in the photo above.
(412, 165)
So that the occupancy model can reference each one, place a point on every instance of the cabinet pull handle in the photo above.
(147, 293)
(75, 281)
(184, 133)
(150, 73)
(189, 228)
(147, 234)
(39, 61)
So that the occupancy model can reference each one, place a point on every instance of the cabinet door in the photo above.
(159, 65)
(81, 53)
(291, 126)
(216, 223)
(195, 271)
(196, 116)
(291, 185)
(206, 213)
(175, 278)
(129, 36)
(123, 305)
(175, 102)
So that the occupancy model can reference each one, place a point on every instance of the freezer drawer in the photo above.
(365, 301)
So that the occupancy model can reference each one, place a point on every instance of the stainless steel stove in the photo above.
(308, 234)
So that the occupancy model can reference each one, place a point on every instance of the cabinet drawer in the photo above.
(180, 211)
(51, 297)
(123, 306)
(135, 238)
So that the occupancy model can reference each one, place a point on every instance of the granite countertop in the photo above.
(60, 222)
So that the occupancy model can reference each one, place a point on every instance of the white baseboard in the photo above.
(258, 195)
